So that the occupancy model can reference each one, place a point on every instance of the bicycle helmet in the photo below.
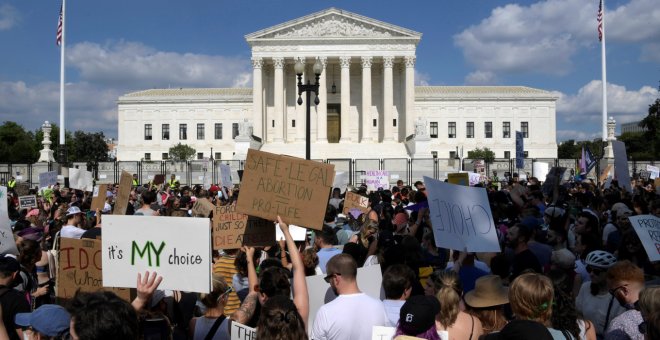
(600, 259)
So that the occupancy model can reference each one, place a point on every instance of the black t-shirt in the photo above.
(523, 261)
(13, 302)
(93, 233)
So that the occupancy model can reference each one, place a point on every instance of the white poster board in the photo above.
(47, 178)
(647, 228)
(177, 248)
(341, 180)
(540, 170)
(621, 171)
(240, 331)
(369, 280)
(461, 217)
(7, 242)
(382, 333)
(80, 179)
(297, 233)
(377, 179)
(225, 175)
(654, 170)
(474, 178)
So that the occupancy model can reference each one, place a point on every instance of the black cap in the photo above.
(417, 315)
(9, 264)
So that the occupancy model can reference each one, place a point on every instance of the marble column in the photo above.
(301, 110)
(278, 99)
(345, 63)
(322, 108)
(366, 99)
(409, 96)
(257, 98)
(388, 99)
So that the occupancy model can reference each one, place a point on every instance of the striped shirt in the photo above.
(225, 267)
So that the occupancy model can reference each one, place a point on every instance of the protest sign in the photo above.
(80, 269)
(47, 178)
(461, 217)
(355, 201)
(29, 201)
(647, 228)
(98, 196)
(382, 333)
(293, 188)
(159, 179)
(202, 208)
(80, 179)
(375, 179)
(121, 201)
(459, 178)
(233, 230)
(605, 174)
(540, 170)
(225, 175)
(520, 151)
(168, 245)
(240, 331)
(341, 180)
(297, 233)
(621, 171)
(7, 242)
(369, 279)
(474, 178)
(22, 189)
(553, 180)
(654, 170)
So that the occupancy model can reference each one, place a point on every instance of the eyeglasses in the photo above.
(613, 291)
(642, 327)
(329, 277)
(595, 270)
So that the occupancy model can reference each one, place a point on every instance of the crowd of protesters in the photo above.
(570, 267)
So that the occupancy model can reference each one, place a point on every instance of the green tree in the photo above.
(16, 144)
(652, 124)
(88, 147)
(486, 154)
(568, 150)
(181, 152)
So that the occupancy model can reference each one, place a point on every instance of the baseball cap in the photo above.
(9, 264)
(73, 210)
(417, 315)
(49, 320)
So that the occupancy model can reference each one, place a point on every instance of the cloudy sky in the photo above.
(116, 47)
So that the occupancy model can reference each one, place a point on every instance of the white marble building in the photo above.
(369, 106)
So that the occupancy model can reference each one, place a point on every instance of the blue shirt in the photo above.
(325, 254)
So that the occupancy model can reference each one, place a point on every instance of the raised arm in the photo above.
(146, 286)
(300, 295)
(253, 280)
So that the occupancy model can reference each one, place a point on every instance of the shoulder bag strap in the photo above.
(607, 317)
(215, 327)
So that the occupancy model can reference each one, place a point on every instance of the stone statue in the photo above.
(420, 127)
(611, 126)
(245, 128)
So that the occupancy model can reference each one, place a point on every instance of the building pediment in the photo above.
(333, 24)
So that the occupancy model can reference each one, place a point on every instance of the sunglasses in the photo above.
(595, 270)
(329, 277)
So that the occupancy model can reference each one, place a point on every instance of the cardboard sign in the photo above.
(297, 233)
(99, 196)
(520, 151)
(647, 228)
(202, 208)
(80, 179)
(355, 201)
(605, 174)
(375, 179)
(47, 178)
(341, 180)
(125, 186)
(80, 269)
(240, 331)
(459, 178)
(382, 333)
(475, 178)
(654, 170)
(461, 217)
(293, 188)
(22, 189)
(621, 165)
(7, 242)
(233, 230)
(177, 248)
(540, 170)
(369, 280)
(159, 179)
(225, 175)
(29, 201)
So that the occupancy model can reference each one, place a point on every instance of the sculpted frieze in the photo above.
(333, 26)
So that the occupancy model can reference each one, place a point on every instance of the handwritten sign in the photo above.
(99, 196)
(80, 179)
(121, 201)
(7, 242)
(653, 170)
(202, 208)
(459, 178)
(80, 269)
(461, 217)
(29, 201)
(233, 230)
(621, 165)
(225, 175)
(520, 151)
(240, 331)
(22, 189)
(377, 179)
(293, 188)
(356, 201)
(341, 180)
(47, 178)
(475, 178)
(382, 333)
(168, 245)
(647, 228)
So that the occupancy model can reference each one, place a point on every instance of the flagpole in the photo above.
(604, 72)
(63, 43)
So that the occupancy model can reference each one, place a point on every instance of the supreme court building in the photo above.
(369, 104)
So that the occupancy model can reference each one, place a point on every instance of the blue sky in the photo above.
(116, 47)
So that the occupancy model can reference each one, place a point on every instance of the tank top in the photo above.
(203, 326)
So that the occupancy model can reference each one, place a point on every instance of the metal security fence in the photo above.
(206, 172)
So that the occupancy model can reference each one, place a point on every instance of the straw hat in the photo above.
(488, 291)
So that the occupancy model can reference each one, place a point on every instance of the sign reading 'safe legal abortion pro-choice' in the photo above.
(233, 230)
(177, 248)
(647, 228)
(461, 217)
(375, 179)
(80, 269)
(293, 188)
(356, 201)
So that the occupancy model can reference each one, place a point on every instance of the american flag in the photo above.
(58, 40)
(599, 18)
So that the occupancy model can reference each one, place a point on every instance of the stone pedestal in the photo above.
(46, 154)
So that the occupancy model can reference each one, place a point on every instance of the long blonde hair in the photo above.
(364, 231)
(448, 290)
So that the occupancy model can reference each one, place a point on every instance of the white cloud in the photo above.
(9, 17)
(422, 79)
(563, 135)
(481, 78)
(636, 21)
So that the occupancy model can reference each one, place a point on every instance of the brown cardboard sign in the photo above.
(121, 201)
(159, 179)
(293, 188)
(80, 268)
(22, 189)
(232, 229)
(356, 201)
(202, 208)
(98, 196)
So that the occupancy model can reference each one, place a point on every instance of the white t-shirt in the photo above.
(594, 308)
(349, 317)
(69, 231)
(393, 310)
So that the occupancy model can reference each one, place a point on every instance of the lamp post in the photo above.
(308, 89)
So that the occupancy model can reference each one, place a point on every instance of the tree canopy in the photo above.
(486, 154)
(181, 152)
